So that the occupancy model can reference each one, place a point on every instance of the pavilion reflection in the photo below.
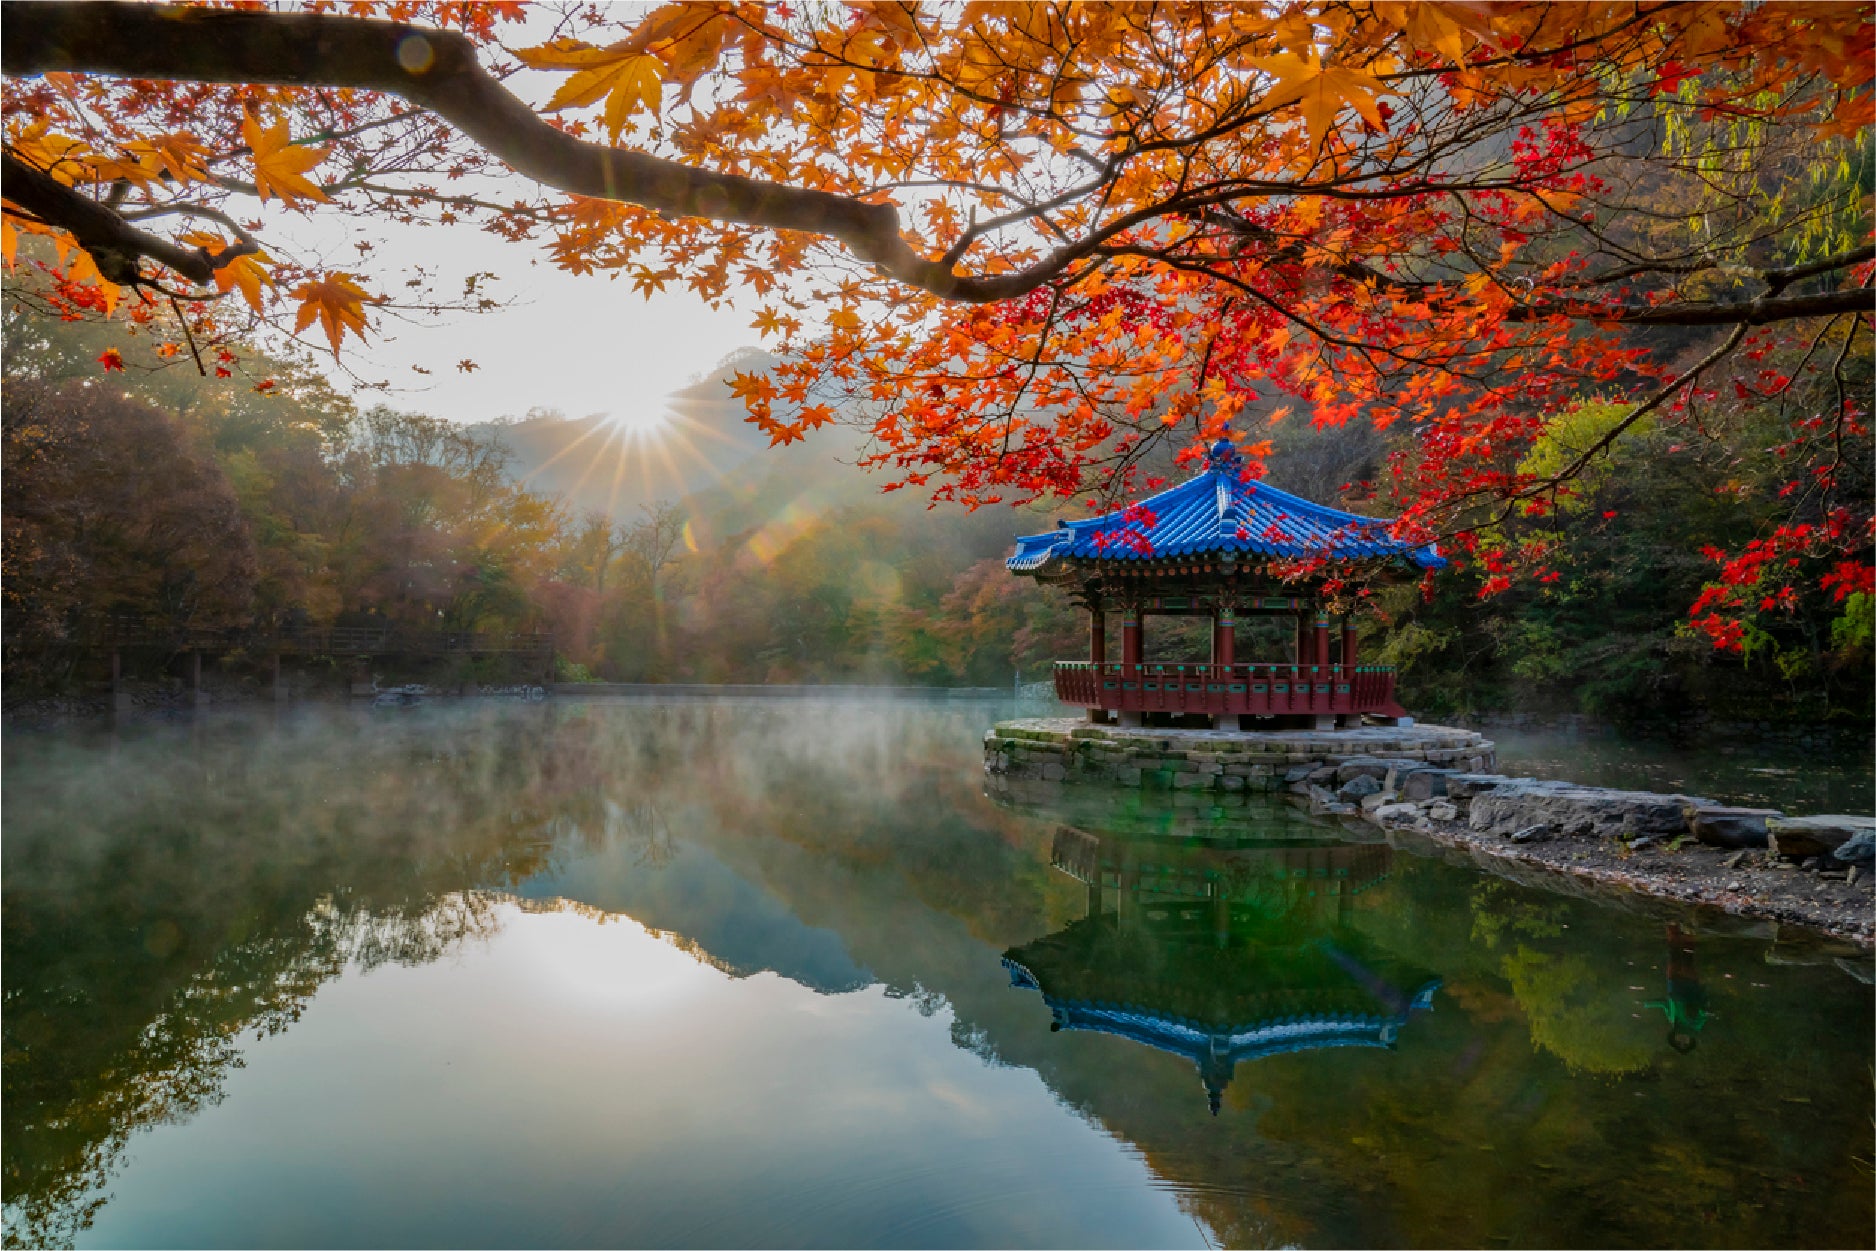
(1223, 951)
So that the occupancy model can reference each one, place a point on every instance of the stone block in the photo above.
(1858, 849)
(1442, 812)
(1191, 780)
(1297, 774)
(1815, 836)
(1231, 782)
(1468, 785)
(1053, 773)
(1732, 827)
(1579, 810)
(1358, 787)
(1424, 784)
(1362, 766)
(1127, 776)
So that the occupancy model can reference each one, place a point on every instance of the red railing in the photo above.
(1255, 690)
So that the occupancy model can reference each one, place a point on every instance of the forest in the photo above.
(1583, 293)
(189, 502)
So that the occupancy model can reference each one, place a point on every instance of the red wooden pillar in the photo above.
(1321, 648)
(1224, 640)
(1131, 642)
(1097, 636)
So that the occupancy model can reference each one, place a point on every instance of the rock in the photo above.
(1732, 861)
(1578, 810)
(1389, 813)
(1732, 827)
(1467, 785)
(1642, 844)
(1797, 837)
(1341, 810)
(1531, 834)
(1363, 767)
(1231, 782)
(1299, 773)
(1370, 802)
(1322, 773)
(1442, 812)
(1424, 784)
(1859, 848)
(1358, 787)
(1850, 878)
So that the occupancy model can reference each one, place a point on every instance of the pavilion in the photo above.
(1221, 954)
(1214, 546)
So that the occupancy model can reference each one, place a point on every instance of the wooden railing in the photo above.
(1255, 690)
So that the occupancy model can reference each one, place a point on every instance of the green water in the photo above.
(777, 974)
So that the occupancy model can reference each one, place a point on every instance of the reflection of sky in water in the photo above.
(723, 916)
(576, 1083)
(730, 974)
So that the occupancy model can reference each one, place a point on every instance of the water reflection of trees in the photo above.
(174, 892)
(164, 908)
(190, 891)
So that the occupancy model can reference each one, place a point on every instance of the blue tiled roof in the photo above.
(1216, 512)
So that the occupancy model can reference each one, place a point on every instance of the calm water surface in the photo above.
(781, 975)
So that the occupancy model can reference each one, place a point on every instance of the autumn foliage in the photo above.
(1031, 246)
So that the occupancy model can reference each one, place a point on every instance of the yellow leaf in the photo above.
(1320, 91)
(178, 155)
(280, 165)
(337, 302)
(246, 274)
(621, 74)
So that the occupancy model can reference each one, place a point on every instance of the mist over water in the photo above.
(779, 973)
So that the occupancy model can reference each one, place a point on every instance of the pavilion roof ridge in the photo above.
(1220, 509)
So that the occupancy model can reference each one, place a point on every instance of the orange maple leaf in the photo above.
(246, 273)
(624, 75)
(337, 302)
(1321, 91)
(280, 165)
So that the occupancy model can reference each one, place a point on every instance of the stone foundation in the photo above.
(1067, 749)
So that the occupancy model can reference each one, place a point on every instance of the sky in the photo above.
(581, 345)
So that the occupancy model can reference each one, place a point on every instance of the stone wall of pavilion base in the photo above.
(1069, 749)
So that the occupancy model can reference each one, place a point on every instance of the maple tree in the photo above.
(1034, 244)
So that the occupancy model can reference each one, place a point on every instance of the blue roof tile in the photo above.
(1218, 511)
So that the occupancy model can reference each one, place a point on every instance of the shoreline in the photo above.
(1435, 783)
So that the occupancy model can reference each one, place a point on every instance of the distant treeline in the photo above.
(182, 500)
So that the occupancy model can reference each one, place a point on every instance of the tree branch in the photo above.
(299, 49)
(115, 245)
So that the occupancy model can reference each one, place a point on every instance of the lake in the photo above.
(623, 973)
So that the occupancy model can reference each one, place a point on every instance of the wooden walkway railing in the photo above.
(1252, 690)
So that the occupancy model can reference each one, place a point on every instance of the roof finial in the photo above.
(1223, 456)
